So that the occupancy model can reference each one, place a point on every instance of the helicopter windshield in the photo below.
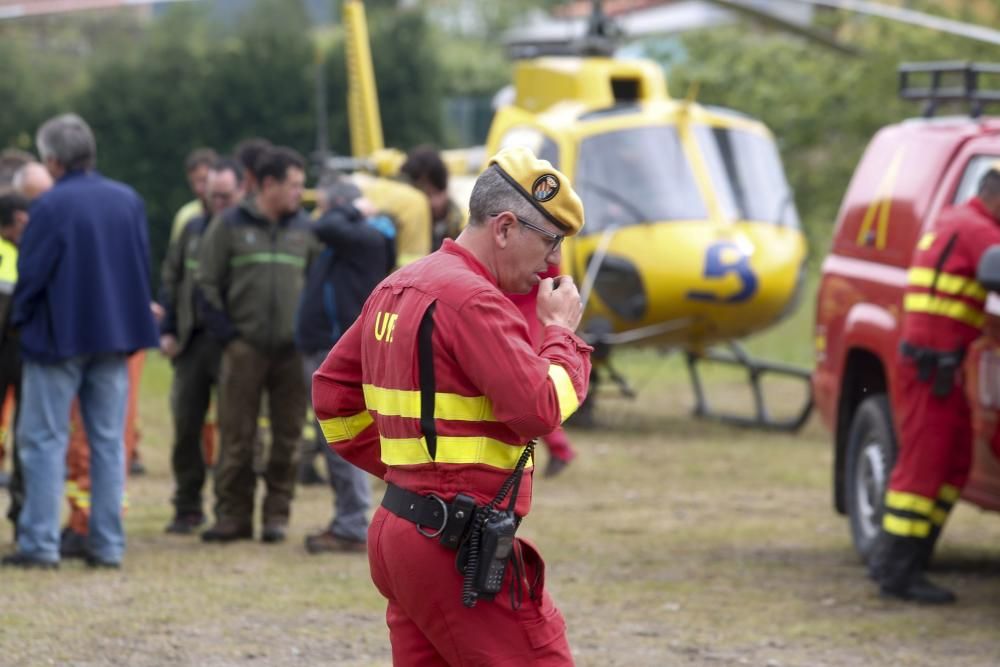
(747, 174)
(636, 175)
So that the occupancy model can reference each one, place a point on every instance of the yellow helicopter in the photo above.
(692, 239)
(692, 236)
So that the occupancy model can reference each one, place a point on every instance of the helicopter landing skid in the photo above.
(756, 369)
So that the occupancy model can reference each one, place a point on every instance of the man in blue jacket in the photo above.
(82, 305)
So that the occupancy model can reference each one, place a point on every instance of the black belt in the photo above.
(934, 366)
(432, 515)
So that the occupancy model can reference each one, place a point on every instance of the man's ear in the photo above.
(502, 227)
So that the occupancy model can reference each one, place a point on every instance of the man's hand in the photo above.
(158, 312)
(168, 345)
(559, 305)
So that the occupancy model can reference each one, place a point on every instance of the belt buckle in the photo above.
(444, 520)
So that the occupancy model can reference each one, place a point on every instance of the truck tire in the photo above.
(871, 453)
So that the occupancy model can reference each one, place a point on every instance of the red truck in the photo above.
(907, 175)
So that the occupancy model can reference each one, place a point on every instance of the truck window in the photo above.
(974, 172)
(638, 175)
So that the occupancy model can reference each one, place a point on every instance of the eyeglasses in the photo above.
(555, 239)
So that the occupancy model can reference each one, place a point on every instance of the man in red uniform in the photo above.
(436, 389)
(943, 315)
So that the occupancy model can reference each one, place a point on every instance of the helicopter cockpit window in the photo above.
(636, 175)
(748, 176)
(974, 172)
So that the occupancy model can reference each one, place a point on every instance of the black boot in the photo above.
(877, 557)
(900, 575)
(927, 549)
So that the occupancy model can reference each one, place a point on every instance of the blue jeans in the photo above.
(47, 392)
(352, 493)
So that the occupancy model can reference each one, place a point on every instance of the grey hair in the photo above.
(493, 194)
(69, 141)
(338, 190)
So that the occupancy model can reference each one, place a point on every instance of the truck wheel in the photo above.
(871, 453)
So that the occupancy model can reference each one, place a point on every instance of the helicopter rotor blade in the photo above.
(912, 17)
(753, 10)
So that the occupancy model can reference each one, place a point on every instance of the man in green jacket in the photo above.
(251, 270)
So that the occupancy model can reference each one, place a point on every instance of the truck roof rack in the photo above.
(950, 81)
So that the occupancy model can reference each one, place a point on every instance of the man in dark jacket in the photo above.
(251, 268)
(358, 252)
(194, 352)
(82, 305)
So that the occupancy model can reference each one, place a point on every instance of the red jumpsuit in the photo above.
(557, 442)
(493, 393)
(943, 312)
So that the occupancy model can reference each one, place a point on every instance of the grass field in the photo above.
(669, 542)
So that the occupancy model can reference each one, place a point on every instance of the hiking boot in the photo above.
(72, 544)
(227, 530)
(326, 542)
(100, 564)
(273, 532)
(26, 562)
(185, 524)
(918, 589)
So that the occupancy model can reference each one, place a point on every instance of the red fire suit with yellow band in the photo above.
(492, 394)
(943, 312)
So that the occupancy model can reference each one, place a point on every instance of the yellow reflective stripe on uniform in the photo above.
(406, 403)
(452, 449)
(950, 308)
(80, 498)
(939, 516)
(948, 493)
(906, 527)
(77, 497)
(339, 429)
(268, 258)
(926, 241)
(8, 266)
(909, 502)
(568, 402)
(947, 283)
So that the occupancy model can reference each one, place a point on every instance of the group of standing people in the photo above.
(254, 293)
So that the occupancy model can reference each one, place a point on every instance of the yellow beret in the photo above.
(542, 185)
